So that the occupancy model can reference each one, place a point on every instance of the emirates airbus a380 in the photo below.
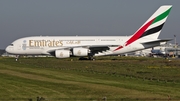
(89, 46)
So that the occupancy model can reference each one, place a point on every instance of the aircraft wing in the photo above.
(93, 49)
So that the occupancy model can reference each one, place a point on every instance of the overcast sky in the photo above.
(21, 18)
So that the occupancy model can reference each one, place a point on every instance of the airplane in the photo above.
(90, 46)
(158, 52)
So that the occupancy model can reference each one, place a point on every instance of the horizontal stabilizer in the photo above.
(157, 41)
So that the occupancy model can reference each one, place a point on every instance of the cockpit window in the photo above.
(11, 44)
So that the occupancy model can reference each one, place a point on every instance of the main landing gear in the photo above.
(87, 58)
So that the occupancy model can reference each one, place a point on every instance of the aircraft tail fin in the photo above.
(153, 26)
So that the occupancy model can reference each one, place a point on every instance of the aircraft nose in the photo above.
(9, 49)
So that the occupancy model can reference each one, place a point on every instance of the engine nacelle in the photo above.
(62, 53)
(80, 51)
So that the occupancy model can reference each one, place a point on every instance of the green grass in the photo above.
(117, 78)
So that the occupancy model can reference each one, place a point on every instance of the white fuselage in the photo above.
(43, 44)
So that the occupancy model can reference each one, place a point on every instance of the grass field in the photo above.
(114, 78)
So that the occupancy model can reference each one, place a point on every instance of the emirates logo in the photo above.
(61, 54)
(79, 52)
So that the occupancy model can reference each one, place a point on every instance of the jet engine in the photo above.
(80, 51)
(62, 53)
